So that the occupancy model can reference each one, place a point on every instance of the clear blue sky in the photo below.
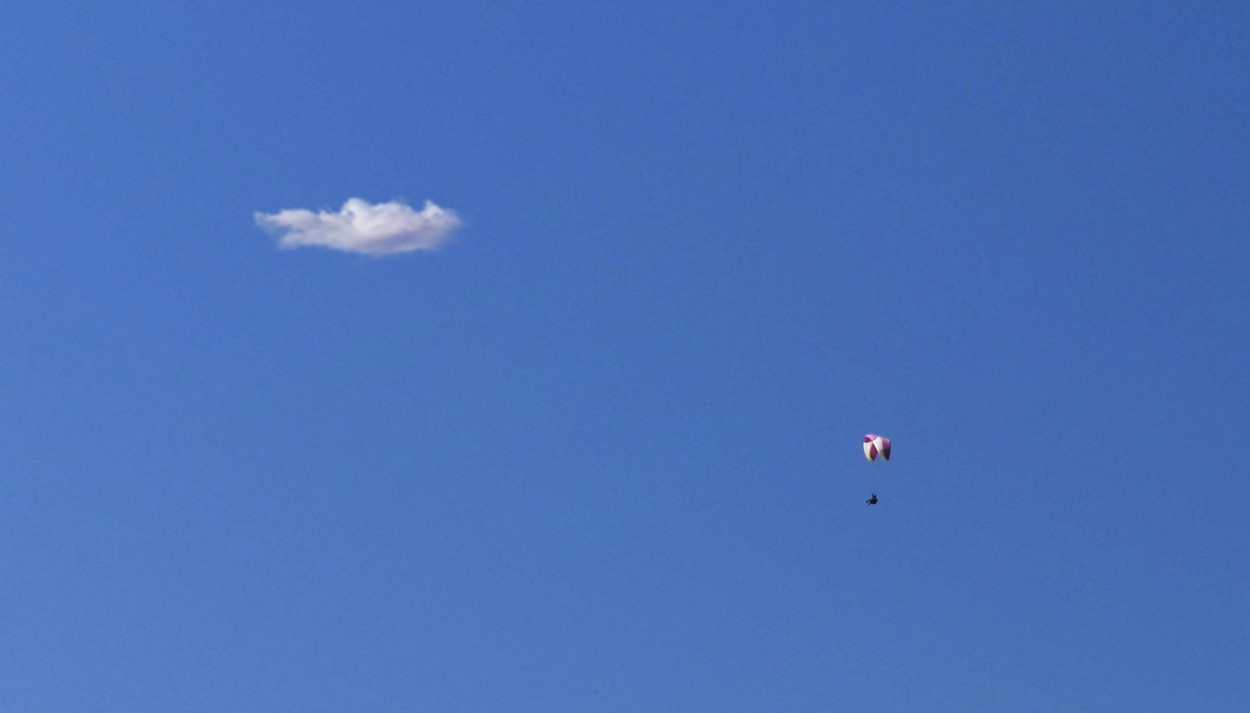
(601, 452)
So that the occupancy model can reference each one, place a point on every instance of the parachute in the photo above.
(875, 445)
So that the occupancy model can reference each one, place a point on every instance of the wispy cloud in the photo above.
(363, 227)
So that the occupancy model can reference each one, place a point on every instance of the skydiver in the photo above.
(872, 500)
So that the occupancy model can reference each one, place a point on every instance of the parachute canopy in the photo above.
(875, 445)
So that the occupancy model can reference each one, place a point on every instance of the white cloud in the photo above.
(363, 227)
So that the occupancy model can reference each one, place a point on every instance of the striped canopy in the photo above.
(875, 445)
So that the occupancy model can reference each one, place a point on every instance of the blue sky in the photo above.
(601, 449)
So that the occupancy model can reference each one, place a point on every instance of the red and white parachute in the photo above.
(875, 445)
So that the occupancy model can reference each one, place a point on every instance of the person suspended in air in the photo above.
(872, 500)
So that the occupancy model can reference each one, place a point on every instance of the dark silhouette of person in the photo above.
(872, 500)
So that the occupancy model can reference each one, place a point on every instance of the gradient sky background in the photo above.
(601, 452)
